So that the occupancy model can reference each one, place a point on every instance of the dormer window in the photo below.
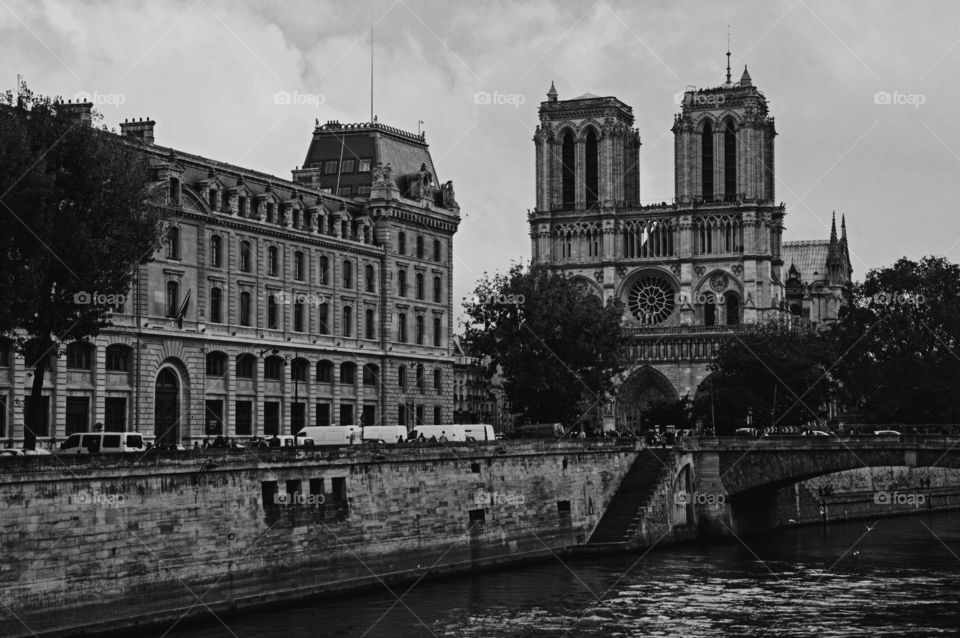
(174, 191)
(213, 199)
(270, 213)
(242, 206)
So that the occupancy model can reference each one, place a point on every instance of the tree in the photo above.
(900, 335)
(778, 372)
(554, 342)
(75, 217)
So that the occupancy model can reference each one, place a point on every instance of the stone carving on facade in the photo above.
(621, 271)
(737, 270)
(700, 271)
(598, 275)
(719, 282)
(675, 269)
(448, 199)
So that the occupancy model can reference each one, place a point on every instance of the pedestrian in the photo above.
(196, 446)
(443, 436)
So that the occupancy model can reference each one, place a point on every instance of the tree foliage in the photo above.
(75, 217)
(778, 373)
(554, 342)
(900, 338)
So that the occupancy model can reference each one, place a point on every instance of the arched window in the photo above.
(273, 313)
(568, 171)
(216, 364)
(348, 373)
(370, 324)
(732, 303)
(216, 251)
(245, 261)
(710, 311)
(173, 243)
(591, 170)
(246, 310)
(419, 247)
(706, 158)
(298, 369)
(173, 298)
(273, 368)
(80, 356)
(347, 273)
(420, 330)
(118, 358)
(730, 161)
(347, 321)
(299, 266)
(324, 371)
(436, 250)
(325, 271)
(419, 286)
(273, 261)
(369, 276)
(437, 289)
(246, 366)
(402, 327)
(216, 305)
(402, 377)
(437, 331)
(402, 282)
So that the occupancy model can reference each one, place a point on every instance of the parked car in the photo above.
(886, 433)
(103, 443)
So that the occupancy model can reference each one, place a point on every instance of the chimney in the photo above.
(79, 111)
(139, 129)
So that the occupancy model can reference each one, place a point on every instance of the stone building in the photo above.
(274, 303)
(477, 398)
(690, 271)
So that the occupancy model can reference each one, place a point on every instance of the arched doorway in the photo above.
(645, 394)
(166, 411)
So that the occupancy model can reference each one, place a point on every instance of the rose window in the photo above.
(651, 300)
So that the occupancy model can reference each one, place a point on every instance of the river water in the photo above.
(891, 577)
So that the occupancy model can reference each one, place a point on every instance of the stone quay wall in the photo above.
(110, 542)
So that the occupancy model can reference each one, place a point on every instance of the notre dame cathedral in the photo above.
(690, 271)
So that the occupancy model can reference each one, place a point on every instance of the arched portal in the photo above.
(166, 411)
(645, 393)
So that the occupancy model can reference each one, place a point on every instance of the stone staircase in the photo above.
(624, 516)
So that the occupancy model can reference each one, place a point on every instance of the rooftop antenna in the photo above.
(728, 54)
(419, 126)
(372, 23)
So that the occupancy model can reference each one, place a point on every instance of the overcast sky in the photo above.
(208, 71)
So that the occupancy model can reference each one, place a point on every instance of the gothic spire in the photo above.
(552, 93)
(833, 229)
(728, 55)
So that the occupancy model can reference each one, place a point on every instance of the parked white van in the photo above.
(455, 432)
(385, 433)
(103, 443)
(330, 435)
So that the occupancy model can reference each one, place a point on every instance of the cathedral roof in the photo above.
(586, 96)
(808, 257)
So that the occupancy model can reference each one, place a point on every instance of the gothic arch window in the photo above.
(709, 310)
(732, 305)
(706, 160)
(651, 300)
(730, 160)
(568, 170)
(592, 170)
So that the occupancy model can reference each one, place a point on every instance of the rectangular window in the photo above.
(115, 415)
(243, 418)
(271, 417)
(324, 316)
(323, 414)
(401, 414)
(437, 415)
(364, 166)
(419, 415)
(345, 191)
(369, 416)
(563, 511)
(363, 189)
(346, 414)
(347, 166)
(42, 427)
(3, 416)
(78, 415)
(213, 417)
(330, 167)
(316, 486)
(298, 417)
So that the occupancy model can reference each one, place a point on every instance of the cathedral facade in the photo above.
(692, 271)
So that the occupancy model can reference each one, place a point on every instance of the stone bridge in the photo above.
(744, 473)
